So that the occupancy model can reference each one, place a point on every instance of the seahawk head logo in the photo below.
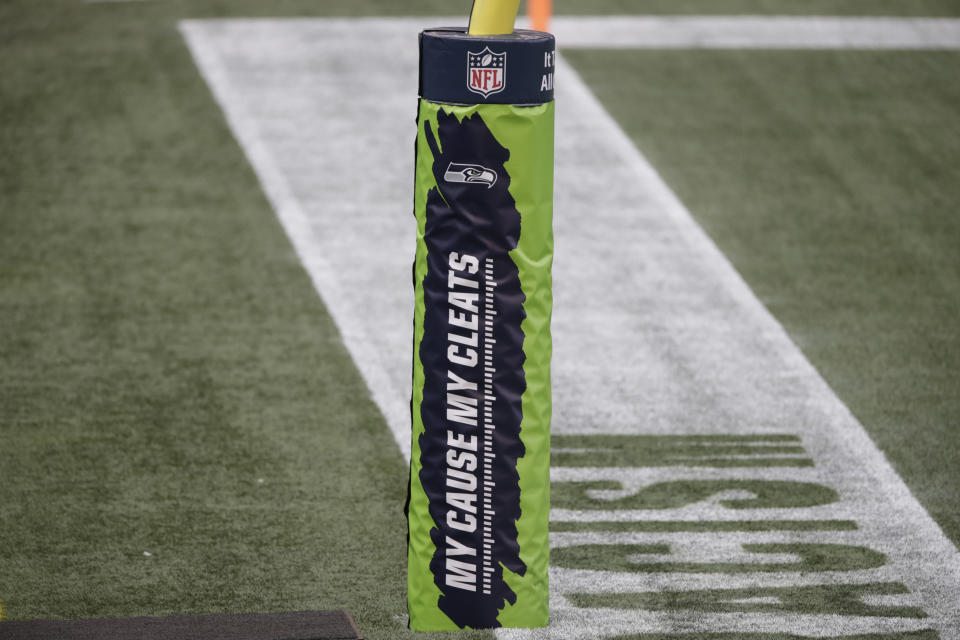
(470, 174)
(486, 72)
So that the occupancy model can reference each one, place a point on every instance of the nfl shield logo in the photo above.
(486, 72)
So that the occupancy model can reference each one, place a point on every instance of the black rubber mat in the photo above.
(299, 625)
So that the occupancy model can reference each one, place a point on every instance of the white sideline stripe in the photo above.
(663, 313)
(755, 32)
(392, 400)
(716, 32)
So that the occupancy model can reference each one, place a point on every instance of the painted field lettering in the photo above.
(766, 557)
(749, 494)
(628, 507)
(828, 599)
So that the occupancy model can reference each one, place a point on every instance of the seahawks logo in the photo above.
(470, 174)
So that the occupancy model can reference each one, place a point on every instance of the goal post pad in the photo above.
(480, 465)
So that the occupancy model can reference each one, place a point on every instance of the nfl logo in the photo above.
(486, 72)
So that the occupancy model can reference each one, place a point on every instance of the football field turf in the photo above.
(173, 386)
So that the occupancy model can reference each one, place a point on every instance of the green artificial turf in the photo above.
(830, 180)
(163, 351)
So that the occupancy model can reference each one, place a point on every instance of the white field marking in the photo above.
(660, 336)
(590, 624)
(354, 239)
(755, 32)
(375, 345)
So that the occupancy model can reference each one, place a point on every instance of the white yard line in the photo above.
(350, 240)
(655, 332)
(755, 32)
